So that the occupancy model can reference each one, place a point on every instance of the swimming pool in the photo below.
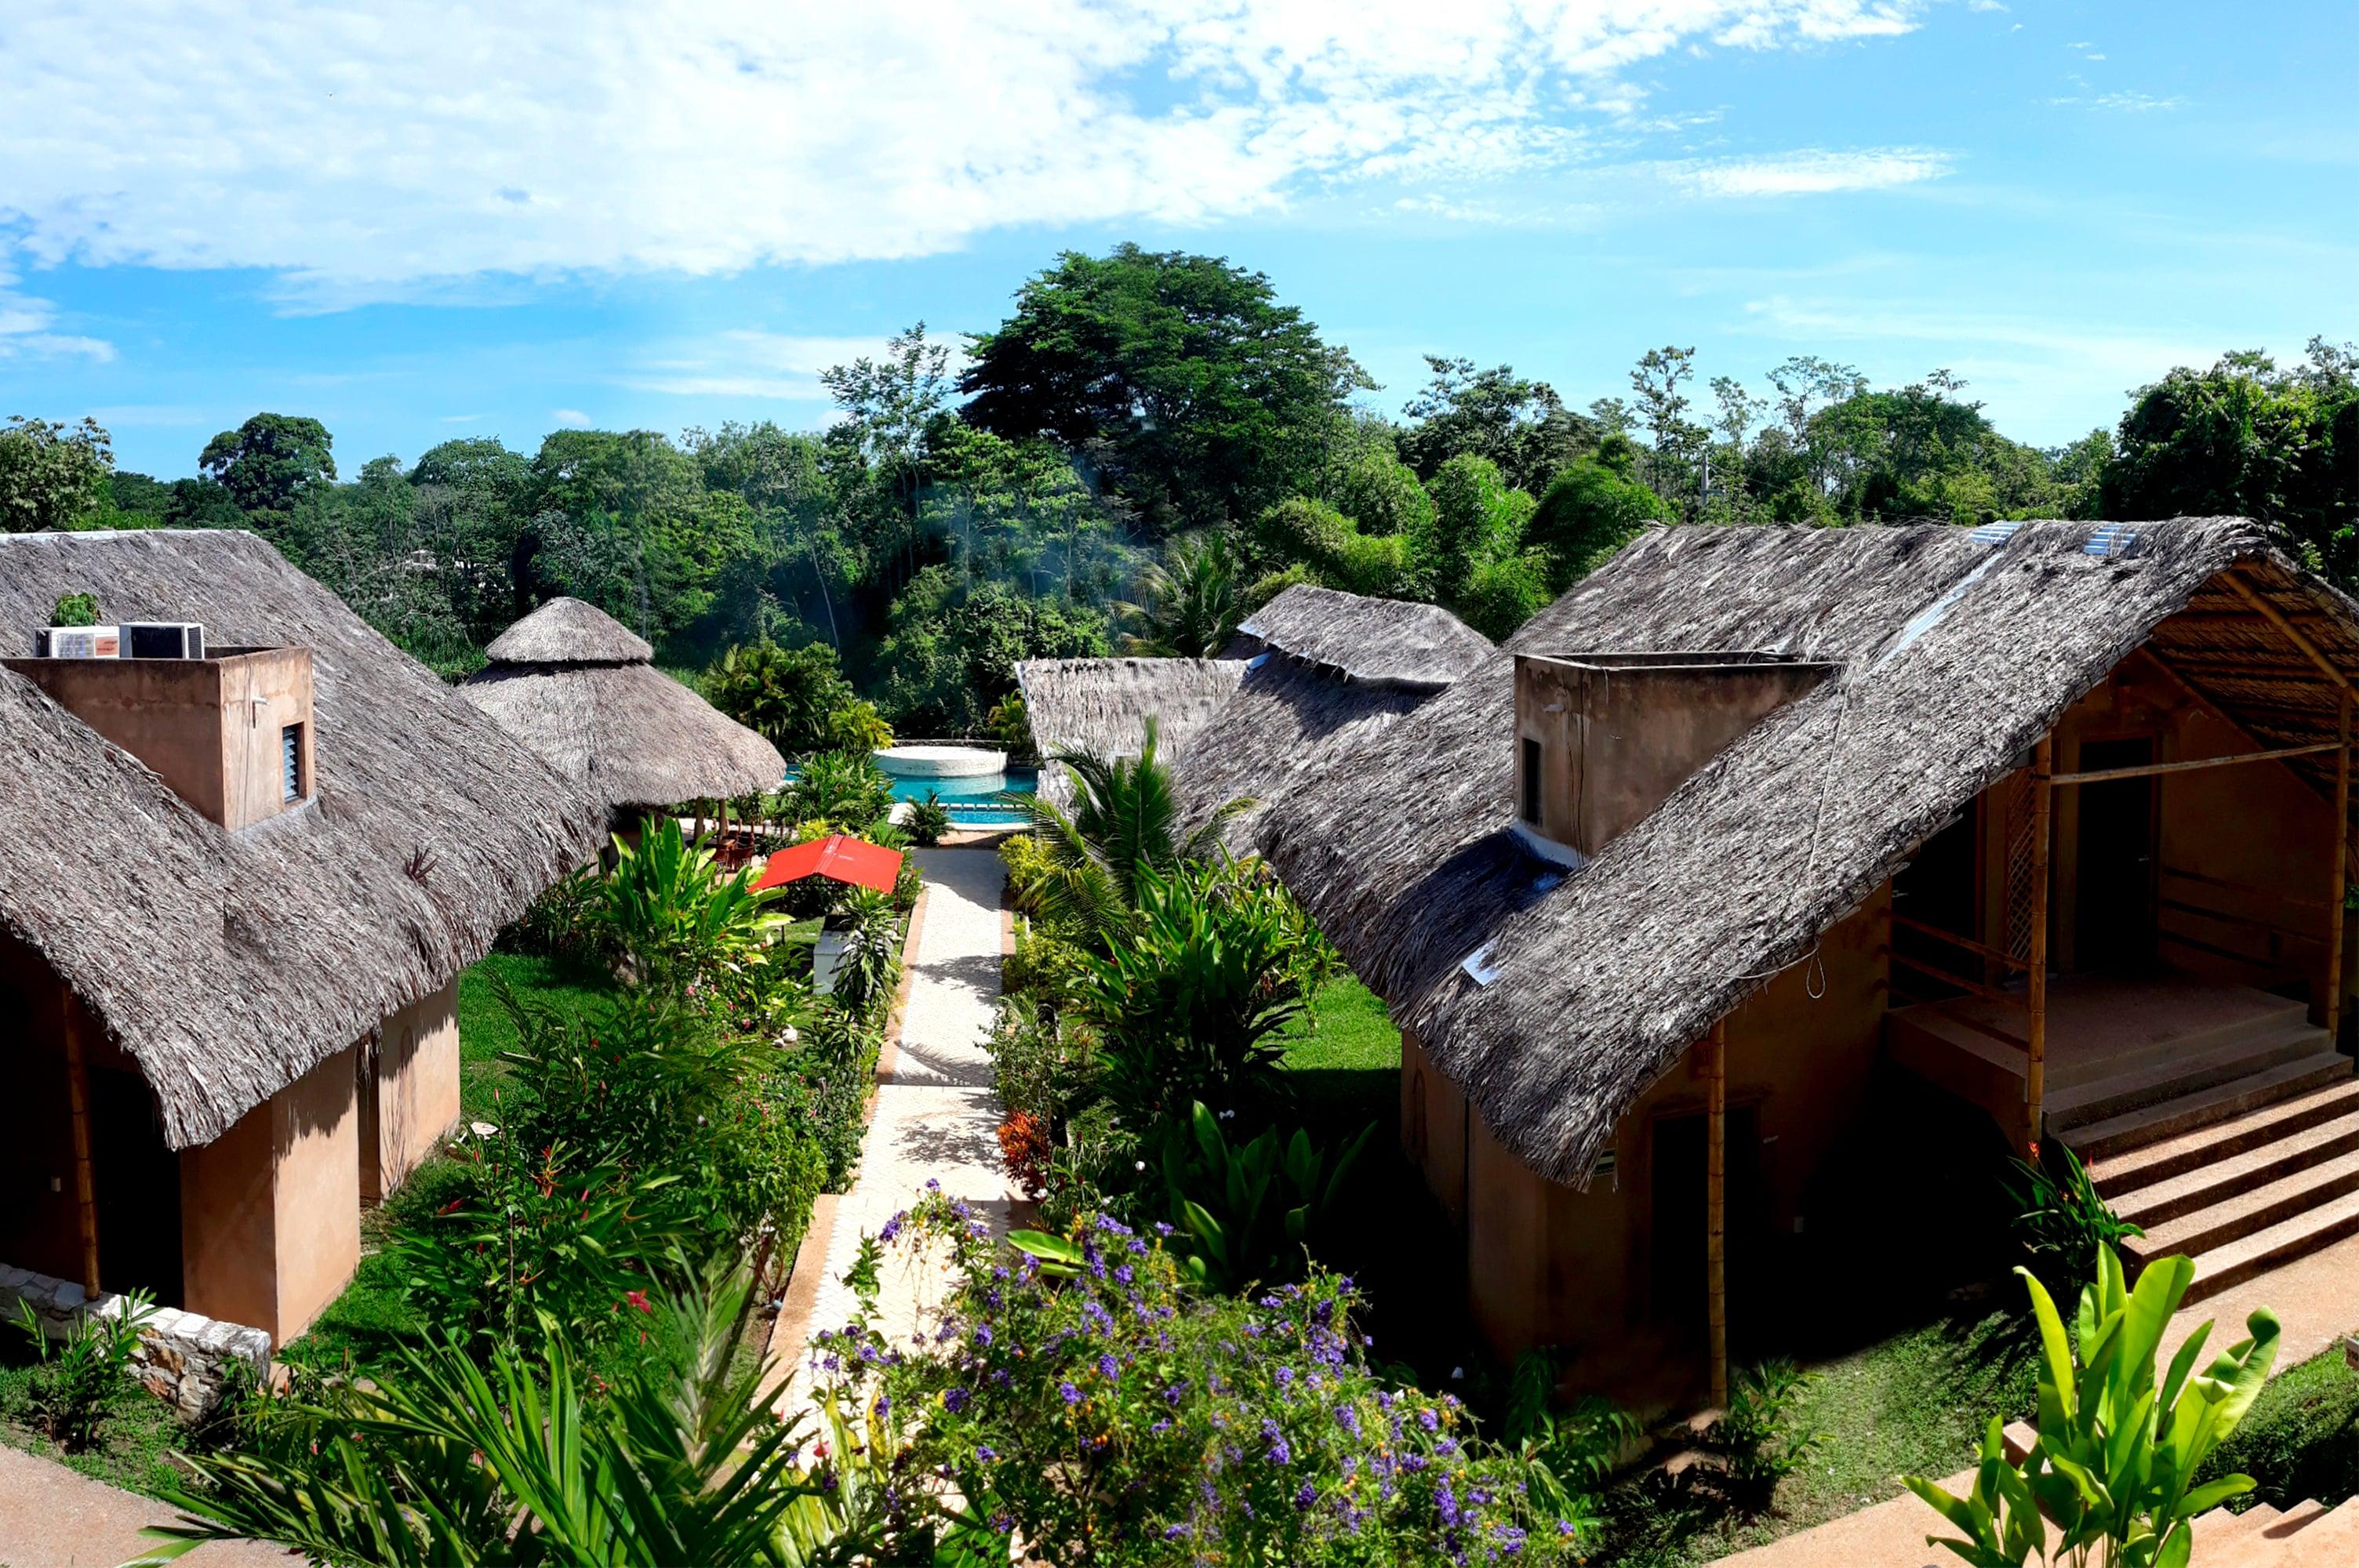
(975, 799)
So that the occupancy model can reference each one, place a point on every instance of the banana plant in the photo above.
(2118, 1449)
(1246, 1213)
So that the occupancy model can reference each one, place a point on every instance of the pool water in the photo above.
(975, 798)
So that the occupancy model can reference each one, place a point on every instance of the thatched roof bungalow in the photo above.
(236, 894)
(1324, 672)
(1102, 706)
(2045, 812)
(582, 690)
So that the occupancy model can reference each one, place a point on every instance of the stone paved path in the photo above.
(936, 1117)
(51, 1517)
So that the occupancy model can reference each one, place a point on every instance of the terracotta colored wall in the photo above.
(270, 1210)
(409, 1091)
(262, 691)
(1553, 1265)
(1433, 1124)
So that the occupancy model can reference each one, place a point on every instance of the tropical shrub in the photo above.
(531, 1461)
(671, 912)
(2062, 1219)
(929, 820)
(1188, 1004)
(871, 962)
(1094, 1410)
(1755, 1440)
(836, 1062)
(787, 695)
(1124, 824)
(1010, 728)
(1245, 1216)
(856, 727)
(75, 610)
(1026, 1150)
(78, 1380)
(846, 790)
(565, 922)
(1029, 867)
(2120, 1445)
(1570, 1454)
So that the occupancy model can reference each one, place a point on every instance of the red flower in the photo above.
(638, 1299)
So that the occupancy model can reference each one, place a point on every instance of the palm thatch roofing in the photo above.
(1101, 707)
(574, 683)
(227, 965)
(1333, 669)
(1959, 649)
(1382, 641)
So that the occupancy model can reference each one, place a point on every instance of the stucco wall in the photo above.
(270, 1210)
(1550, 1265)
(409, 1091)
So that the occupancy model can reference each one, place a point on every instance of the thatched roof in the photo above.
(1383, 642)
(1334, 669)
(573, 683)
(569, 631)
(1102, 706)
(1959, 653)
(229, 964)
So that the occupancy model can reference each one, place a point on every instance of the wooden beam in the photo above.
(2035, 1071)
(1981, 950)
(78, 1110)
(1715, 1185)
(2294, 634)
(2146, 770)
(1958, 981)
(2338, 888)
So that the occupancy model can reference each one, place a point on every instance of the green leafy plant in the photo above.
(1247, 1213)
(858, 728)
(2120, 1443)
(784, 695)
(846, 790)
(929, 820)
(79, 1378)
(1571, 1453)
(437, 1460)
(2063, 1221)
(1010, 728)
(1189, 604)
(1755, 1440)
(1189, 1003)
(75, 610)
(870, 964)
(1125, 824)
(565, 922)
(674, 914)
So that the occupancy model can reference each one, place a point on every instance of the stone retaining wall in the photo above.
(181, 1357)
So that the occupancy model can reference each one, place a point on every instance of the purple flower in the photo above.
(1306, 1495)
(892, 1229)
(1279, 1454)
(1427, 1420)
(956, 1399)
(983, 1335)
(1445, 1503)
(985, 1453)
(1108, 1368)
(1072, 1395)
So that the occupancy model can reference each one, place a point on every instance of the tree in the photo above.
(1382, 495)
(1190, 607)
(1587, 514)
(1206, 399)
(951, 656)
(784, 695)
(1122, 827)
(891, 408)
(1663, 410)
(201, 503)
(2246, 438)
(1521, 426)
(1476, 519)
(266, 463)
(52, 474)
(1311, 538)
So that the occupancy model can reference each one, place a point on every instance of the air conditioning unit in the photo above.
(163, 640)
(79, 643)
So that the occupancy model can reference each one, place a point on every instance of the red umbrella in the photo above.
(838, 857)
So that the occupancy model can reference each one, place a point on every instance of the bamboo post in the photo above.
(2035, 1071)
(1715, 1183)
(77, 1107)
(2336, 891)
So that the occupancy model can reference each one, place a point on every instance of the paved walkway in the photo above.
(936, 1117)
(2316, 1300)
(51, 1517)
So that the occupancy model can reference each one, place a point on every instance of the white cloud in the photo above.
(569, 418)
(2125, 103)
(422, 148)
(1985, 5)
(748, 363)
(1812, 172)
(25, 333)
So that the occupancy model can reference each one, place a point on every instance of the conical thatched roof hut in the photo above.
(227, 965)
(1555, 1000)
(1324, 671)
(1102, 706)
(575, 685)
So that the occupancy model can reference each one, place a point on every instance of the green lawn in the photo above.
(485, 1027)
(1344, 1054)
(139, 1430)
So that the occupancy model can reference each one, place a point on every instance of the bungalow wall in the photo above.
(1550, 1265)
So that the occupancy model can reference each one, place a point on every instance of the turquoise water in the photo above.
(974, 799)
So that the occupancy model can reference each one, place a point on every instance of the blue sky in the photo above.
(415, 222)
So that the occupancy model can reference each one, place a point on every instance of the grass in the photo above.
(2300, 1439)
(485, 1028)
(138, 1432)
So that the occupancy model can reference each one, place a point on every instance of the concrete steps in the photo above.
(2235, 1172)
(2149, 1164)
(2129, 1086)
(2256, 1253)
(2244, 1210)
(2205, 1106)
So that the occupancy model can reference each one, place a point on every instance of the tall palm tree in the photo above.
(1190, 607)
(1125, 819)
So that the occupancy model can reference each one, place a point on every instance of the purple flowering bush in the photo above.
(1096, 1410)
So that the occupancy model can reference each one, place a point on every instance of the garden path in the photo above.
(936, 1117)
(51, 1517)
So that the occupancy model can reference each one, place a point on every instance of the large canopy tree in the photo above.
(266, 463)
(1200, 397)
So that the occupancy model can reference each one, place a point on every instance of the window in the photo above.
(290, 762)
(1528, 803)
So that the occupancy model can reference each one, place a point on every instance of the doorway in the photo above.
(1681, 1213)
(2113, 906)
(136, 1181)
